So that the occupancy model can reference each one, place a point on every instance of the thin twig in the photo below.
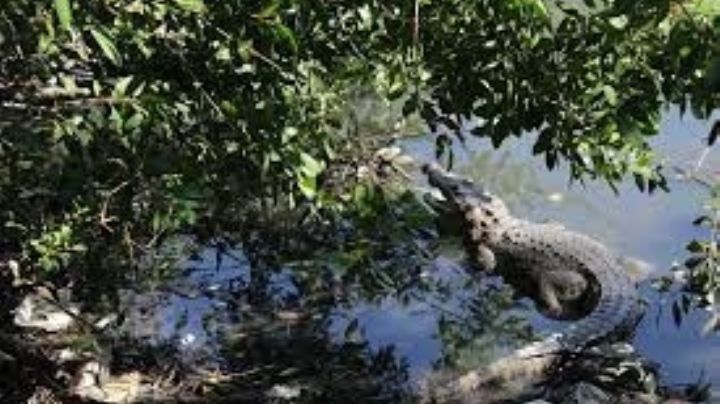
(267, 60)
(104, 219)
(416, 26)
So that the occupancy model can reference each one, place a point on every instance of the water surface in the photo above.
(652, 228)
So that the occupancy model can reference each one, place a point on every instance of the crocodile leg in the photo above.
(549, 302)
(558, 290)
(484, 258)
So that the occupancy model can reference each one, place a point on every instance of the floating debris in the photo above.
(555, 197)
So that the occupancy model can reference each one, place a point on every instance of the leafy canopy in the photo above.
(123, 121)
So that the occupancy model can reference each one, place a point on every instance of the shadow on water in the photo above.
(267, 341)
(375, 347)
(304, 347)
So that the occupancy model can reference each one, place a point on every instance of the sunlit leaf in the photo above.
(619, 22)
(193, 6)
(121, 86)
(610, 95)
(107, 46)
(267, 12)
(308, 186)
(63, 9)
(311, 167)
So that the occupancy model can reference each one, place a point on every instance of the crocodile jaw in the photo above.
(485, 215)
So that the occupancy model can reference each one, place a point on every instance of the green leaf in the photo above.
(539, 9)
(156, 222)
(193, 6)
(107, 46)
(134, 122)
(365, 16)
(311, 167)
(121, 86)
(287, 35)
(268, 12)
(695, 247)
(63, 8)
(694, 262)
(702, 219)
(705, 8)
(619, 22)
(223, 54)
(307, 186)
(245, 49)
(68, 83)
(610, 95)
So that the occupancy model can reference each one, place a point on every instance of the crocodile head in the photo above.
(484, 213)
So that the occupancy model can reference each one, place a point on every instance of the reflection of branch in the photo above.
(442, 309)
(693, 175)
(713, 253)
(702, 158)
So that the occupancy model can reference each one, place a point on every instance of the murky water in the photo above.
(652, 228)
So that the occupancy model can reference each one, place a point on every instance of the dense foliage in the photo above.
(700, 272)
(123, 121)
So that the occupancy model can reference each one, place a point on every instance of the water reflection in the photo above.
(270, 344)
(190, 309)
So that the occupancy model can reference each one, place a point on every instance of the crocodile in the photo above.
(570, 276)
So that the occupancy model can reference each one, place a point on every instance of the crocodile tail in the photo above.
(617, 308)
